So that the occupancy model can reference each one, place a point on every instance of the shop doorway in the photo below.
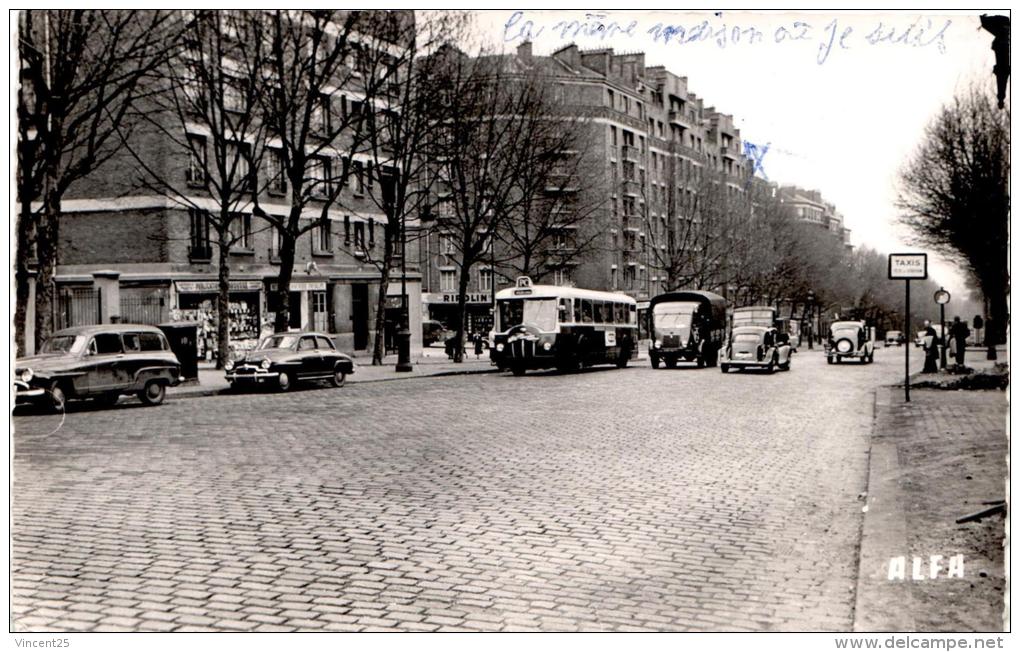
(359, 315)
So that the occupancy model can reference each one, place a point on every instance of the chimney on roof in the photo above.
(524, 51)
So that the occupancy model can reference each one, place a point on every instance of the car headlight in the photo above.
(265, 363)
(658, 344)
(27, 375)
(499, 347)
(547, 346)
(229, 366)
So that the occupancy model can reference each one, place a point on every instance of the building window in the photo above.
(629, 277)
(359, 236)
(319, 176)
(237, 167)
(320, 118)
(485, 279)
(447, 280)
(240, 231)
(447, 245)
(347, 230)
(561, 276)
(275, 243)
(323, 237)
(371, 233)
(233, 97)
(274, 172)
(199, 248)
(614, 278)
(196, 160)
(610, 98)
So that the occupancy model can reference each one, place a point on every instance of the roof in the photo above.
(554, 291)
(106, 328)
(690, 295)
(752, 329)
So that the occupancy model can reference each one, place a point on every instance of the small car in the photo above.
(282, 359)
(756, 346)
(101, 362)
(893, 338)
(850, 339)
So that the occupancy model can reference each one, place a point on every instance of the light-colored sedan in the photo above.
(756, 347)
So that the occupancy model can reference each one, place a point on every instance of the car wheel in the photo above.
(655, 362)
(339, 377)
(283, 381)
(57, 398)
(771, 368)
(517, 370)
(828, 359)
(724, 367)
(700, 361)
(624, 358)
(154, 393)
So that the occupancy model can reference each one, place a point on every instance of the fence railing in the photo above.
(78, 307)
(144, 310)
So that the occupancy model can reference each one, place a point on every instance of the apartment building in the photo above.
(162, 249)
(657, 145)
(809, 206)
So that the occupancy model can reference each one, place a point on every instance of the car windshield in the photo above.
(278, 342)
(674, 315)
(64, 344)
(540, 313)
(762, 316)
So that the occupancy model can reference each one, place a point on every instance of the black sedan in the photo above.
(285, 358)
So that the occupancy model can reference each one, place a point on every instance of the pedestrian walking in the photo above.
(931, 349)
(478, 345)
(959, 331)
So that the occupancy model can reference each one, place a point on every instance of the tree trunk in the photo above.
(287, 247)
(462, 283)
(223, 297)
(47, 234)
(379, 350)
(22, 276)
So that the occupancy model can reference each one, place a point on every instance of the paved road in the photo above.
(606, 500)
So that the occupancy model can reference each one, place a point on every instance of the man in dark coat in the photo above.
(931, 349)
(959, 332)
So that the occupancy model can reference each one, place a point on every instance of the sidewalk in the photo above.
(433, 363)
(933, 460)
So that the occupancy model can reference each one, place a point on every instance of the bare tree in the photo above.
(397, 143)
(206, 104)
(496, 129)
(552, 227)
(318, 109)
(81, 73)
(954, 193)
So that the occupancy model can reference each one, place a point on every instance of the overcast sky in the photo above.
(839, 119)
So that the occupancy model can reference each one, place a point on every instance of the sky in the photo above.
(840, 98)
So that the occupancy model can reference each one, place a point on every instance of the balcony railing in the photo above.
(630, 153)
(631, 187)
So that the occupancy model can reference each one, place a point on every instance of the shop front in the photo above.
(310, 304)
(442, 307)
(196, 303)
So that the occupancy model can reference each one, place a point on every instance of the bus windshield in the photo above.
(676, 315)
(762, 316)
(540, 313)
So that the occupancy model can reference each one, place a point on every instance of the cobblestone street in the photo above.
(605, 500)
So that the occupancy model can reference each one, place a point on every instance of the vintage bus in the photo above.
(548, 326)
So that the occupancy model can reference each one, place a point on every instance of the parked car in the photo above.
(282, 359)
(756, 346)
(893, 338)
(850, 339)
(432, 332)
(100, 362)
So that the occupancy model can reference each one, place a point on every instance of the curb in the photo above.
(882, 605)
(198, 391)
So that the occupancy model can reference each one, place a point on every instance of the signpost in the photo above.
(907, 267)
(942, 298)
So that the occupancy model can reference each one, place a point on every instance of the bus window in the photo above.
(586, 312)
(566, 310)
(633, 314)
(620, 313)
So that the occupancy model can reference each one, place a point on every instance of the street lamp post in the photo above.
(942, 298)
(811, 320)
(404, 334)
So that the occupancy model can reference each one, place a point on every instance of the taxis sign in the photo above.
(908, 266)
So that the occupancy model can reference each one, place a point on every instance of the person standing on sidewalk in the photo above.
(959, 332)
(931, 349)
